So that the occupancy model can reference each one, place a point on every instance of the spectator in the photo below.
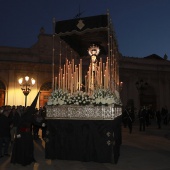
(4, 133)
(15, 119)
(44, 123)
(164, 113)
(142, 118)
(158, 119)
(129, 114)
(23, 148)
(37, 124)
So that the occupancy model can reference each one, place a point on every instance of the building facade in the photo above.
(35, 62)
(143, 81)
(146, 81)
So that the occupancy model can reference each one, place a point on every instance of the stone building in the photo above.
(35, 62)
(143, 81)
(146, 81)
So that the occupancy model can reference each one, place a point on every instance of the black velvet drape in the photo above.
(84, 140)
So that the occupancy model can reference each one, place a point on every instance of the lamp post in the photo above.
(26, 83)
(141, 86)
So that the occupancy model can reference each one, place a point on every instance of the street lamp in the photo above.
(26, 83)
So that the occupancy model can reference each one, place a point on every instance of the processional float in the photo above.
(84, 109)
(99, 87)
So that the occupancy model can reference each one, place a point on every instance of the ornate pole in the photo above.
(53, 78)
(108, 43)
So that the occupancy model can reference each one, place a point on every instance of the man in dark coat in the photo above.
(37, 124)
(130, 118)
(14, 118)
(4, 133)
(142, 118)
(158, 118)
(23, 148)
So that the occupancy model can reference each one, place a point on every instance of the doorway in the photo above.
(45, 92)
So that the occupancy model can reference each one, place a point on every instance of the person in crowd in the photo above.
(20, 110)
(158, 118)
(130, 118)
(142, 118)
(148, 116)
(23, 147)
(37, 123)
(124, 118)
(44, 123)
(4, 132)
(15, 119)
(164, 113)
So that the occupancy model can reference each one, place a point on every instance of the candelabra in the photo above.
(26, 83)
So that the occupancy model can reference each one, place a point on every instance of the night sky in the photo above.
(142, 26)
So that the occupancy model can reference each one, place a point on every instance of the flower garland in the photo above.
(105, 97)
(99, 97)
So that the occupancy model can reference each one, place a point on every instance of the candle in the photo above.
(63, 82)
(80, 72)
(72, 84)
(59, 81)
(64, 69)
(69, 79)
(89, 77)
(101, 82)
(75, 82)
(76, 78)
(66, 81)
(86, 83)
(99, 74)
(104, 82)
(106, 78)
(72, 65)
(103, 67)
(61, 78)
(79, 85)
(55, 83)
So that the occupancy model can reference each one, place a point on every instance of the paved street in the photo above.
(149, 150)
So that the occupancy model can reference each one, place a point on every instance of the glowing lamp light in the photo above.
(26, 86)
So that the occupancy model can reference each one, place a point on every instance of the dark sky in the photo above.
(142, 26)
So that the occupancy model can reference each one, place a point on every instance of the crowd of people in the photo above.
(18, 130)
(145, 116)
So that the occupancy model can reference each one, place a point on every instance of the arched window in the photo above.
(45, 90)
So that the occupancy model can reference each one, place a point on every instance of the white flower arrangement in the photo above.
(99, 97)
(58, 97)
(79, 98)
(105, 97)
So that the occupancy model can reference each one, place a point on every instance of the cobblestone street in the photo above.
(149, 150)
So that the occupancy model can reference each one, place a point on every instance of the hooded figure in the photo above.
(23, 147)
